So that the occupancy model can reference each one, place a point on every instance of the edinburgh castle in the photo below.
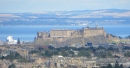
(83, 35)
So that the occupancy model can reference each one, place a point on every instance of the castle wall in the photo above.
(42, 34)
(90, 32)
(77, 33)
(39, 34)
(59, 34)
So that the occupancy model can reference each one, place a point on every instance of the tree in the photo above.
(12, 66)
(55, 52)
(84, 53)
(111, 49)
(17, 56)
(12, 56)
(121, 66)
(18, 41)
(71, 52)
(103, 66)
(116, 65)
(101, 48)
(109, 54)
(51, 47)
(48, 53)
(93, 49)
(109, 66)
(64, 52)
(127, 54)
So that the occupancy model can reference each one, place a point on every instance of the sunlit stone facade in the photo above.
(63, 33)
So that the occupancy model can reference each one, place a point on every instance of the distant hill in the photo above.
(77, 17)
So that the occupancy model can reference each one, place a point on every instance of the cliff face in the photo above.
(111, 38)
(96, 40)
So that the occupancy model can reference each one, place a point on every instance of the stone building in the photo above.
(69, 62)
(63, 34)
(89, 32)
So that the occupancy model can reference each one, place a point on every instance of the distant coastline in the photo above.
(83, 17)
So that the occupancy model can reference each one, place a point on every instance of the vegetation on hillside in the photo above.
(99, 52)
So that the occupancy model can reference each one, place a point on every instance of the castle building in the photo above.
(90, 32)
(64, 33)
(61, 33)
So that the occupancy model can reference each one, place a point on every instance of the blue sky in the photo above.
(60, 5)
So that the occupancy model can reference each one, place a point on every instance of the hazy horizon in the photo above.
(22, 6)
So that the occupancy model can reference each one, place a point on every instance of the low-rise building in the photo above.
(10, 40)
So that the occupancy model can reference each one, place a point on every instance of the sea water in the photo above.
(27, 33)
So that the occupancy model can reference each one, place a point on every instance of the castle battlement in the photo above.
(66, 33)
